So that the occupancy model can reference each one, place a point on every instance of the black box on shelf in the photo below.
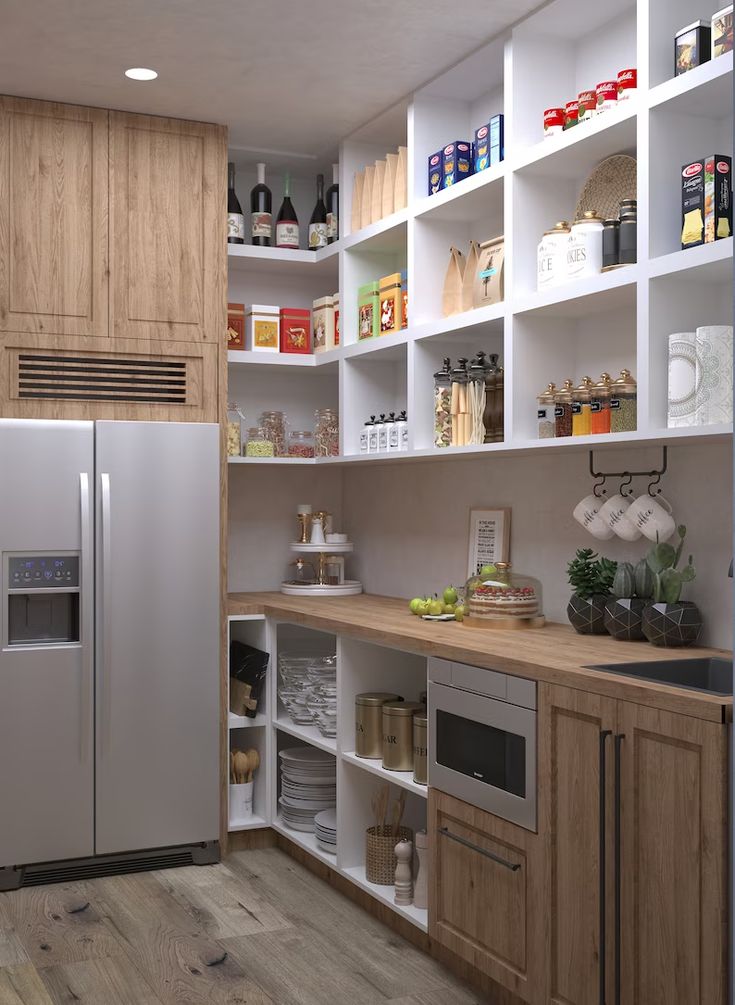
(706, 200)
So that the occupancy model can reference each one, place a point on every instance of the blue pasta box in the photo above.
(497, 139)
(482, 148)
(457, 162)
(436, 175)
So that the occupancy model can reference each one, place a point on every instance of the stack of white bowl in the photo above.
(325, 828)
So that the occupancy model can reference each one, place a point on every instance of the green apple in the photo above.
(436, 607)
(450, 596)
(488, 570)
(422, 608)
(415, 604)
(459, 612)
(449, 609)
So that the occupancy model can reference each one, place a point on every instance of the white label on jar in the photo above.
(382, 438)
(584, 251)
(393, 438)
(236, 225)
(287, 234)
(404, 436)
(364, 441)
(317, 236)
(373, 441)
(332, 225)
(260, 225)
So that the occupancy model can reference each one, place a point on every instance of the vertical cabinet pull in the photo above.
(618, 748)
(604, 733)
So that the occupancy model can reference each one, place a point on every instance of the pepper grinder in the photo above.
(304, 516)
(404, 878)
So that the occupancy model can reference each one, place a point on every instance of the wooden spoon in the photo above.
(242, 766)
(233, 776)
(253, 762)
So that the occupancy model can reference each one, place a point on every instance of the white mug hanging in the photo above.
(652, 517)
(587, 514)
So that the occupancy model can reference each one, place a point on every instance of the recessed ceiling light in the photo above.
(140, 73)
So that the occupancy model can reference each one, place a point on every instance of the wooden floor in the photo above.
(258, 929)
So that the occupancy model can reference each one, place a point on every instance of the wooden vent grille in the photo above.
(64, 377)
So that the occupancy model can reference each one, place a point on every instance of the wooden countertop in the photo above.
(555, 654)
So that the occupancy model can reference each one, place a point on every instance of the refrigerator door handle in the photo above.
(104, 624)
(87, 614)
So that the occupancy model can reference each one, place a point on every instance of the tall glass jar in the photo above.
(257, 444)
(273, 425)
(326, 432)
(563, 408)
(600, 405)
(476, 401)
(443, 405)
(235, 420)
(624, 404)
(492, 420)
(546, 413)
(582, 408)
(460, 416)
(301, 443)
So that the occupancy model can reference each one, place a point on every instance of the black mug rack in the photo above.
(656, 474)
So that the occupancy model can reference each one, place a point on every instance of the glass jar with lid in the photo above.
(600, 405)
(273, 425)
(443, 405)
(503, 599)
(301, 443)
(235, 421)
(624, 404)
(257, 444)
(563, 408)
(326, 432)
(582, 408)
(546, 413)
(459, 407)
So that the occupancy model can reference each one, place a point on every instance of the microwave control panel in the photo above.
(43, 572)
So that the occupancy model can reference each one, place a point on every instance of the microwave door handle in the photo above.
(106, 605)
(513, 866)
(86, 600)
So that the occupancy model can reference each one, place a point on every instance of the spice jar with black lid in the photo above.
(628, 243)
(610, 243)
(563, 408)
(624, 404)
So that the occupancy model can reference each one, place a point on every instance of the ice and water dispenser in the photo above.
(42, 598)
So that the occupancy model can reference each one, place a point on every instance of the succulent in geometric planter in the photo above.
(670, 621)
(623, 616)
(591, 579)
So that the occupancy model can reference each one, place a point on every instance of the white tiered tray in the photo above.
(331, 549)
(349, 588)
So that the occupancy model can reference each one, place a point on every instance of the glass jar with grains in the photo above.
(326, 432)
(273, 425)
(257, 444)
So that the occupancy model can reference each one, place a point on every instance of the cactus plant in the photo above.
(623, 587)
(668, 579)
(643, 580)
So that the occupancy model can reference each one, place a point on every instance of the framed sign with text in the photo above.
(489, 538)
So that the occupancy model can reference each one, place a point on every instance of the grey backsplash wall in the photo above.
(410, 522)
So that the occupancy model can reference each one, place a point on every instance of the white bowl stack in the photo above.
(325, 828)
(308, 786)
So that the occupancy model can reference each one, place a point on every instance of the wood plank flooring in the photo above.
(257, 929)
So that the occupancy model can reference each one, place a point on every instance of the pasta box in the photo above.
(706, 200)
(457, 160)
(436, 175)
(489, 146)
(722, 32)
(295, 330)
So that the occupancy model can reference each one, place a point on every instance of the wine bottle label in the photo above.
(260, 225)
(332, 225)
(317, 236)
(287, 234)
(236, 225)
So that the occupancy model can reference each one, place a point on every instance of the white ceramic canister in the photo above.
(584, 247)
(551, 256)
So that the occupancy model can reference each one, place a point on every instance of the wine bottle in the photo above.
(235, 219)
(332, 200)
(287, 223)
(261, 219)
(318, 222)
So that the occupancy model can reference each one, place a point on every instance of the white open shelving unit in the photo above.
(361, 666)
(601, 323)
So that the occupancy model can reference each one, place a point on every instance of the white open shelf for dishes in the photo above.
(569, 45)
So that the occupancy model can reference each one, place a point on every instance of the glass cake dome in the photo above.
(499, 597)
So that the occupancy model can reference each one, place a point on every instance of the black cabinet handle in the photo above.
(513, 866)
(604, 733)
(618, 745)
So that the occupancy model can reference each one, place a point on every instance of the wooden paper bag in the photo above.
(488, 287)
(357, 188)
(378, 182)
(389, 183)
(366, 213)
(452, 293)
(400, 192)
(468, 281)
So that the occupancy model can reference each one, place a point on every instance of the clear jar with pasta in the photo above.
(273, 426)
(326, 432)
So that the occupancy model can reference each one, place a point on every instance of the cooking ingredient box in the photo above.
(457, 162)
(436, 174)
(722, 31)
(706, 200)
(489, 144)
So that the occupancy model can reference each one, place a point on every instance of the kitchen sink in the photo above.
(711, 675)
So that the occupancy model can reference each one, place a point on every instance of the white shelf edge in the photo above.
(373, 230)
(252, 823)
(686, 83)
(458, 322)
(385, 894)
(579, 289)
(425, 205)
(245, 722)
(548, 148)
(306, 840)
(403, 779)
(272, 460)
(309, 734)
(247, 357)
(691, 258)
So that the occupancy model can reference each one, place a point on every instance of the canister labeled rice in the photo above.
(369, 722)
(420, 722)
(398, 734)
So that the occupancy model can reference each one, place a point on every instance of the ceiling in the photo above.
(284, 75)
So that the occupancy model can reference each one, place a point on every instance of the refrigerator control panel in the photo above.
(43, 572)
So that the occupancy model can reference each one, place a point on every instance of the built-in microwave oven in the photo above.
(482, 739)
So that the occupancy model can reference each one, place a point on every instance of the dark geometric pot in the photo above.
(624, 619)
(672, 624)
(587, 616)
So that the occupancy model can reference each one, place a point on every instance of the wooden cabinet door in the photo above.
(485, 894)
(673, 875)
(168, 260)
(575, 817)
(53, 218)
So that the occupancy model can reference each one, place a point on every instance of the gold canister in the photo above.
(369, 722)
(398, 734)
(420, 721)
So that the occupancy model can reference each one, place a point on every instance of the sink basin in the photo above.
(711, 675)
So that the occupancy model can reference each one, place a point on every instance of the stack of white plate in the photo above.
(308, 785)
(325, 828)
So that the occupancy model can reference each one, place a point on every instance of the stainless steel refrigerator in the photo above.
(109, 647)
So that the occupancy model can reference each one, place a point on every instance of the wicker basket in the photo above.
(380, 856)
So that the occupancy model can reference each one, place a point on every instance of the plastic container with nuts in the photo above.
(326, 432)
(258, 445)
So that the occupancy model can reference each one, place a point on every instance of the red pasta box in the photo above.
(295, 330)
(236, 326)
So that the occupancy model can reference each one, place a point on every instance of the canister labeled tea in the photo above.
(398, 734)
(420, 722)
(369, 722)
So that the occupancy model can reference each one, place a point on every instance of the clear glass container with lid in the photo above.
(502, 598)
(301, 443)
(235, 422)
(326, 432)
(582, 408)
(600, 405)
(443, 405)
(624, 404)
(563, 408)
(273, 425)
(546, 413)
(258, 445)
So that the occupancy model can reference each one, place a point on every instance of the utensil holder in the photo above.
(241, 801)
(380, 856)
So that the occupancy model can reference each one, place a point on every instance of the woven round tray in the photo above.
(613, 180)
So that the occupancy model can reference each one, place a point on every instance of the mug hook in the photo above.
(627, 481)
(600, 485)
(655, 481)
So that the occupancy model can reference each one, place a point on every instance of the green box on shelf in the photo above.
(368, 311)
